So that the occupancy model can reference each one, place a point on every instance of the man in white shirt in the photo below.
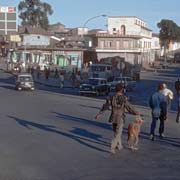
(168, 93)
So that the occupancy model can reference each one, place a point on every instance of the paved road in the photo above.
(48, 135)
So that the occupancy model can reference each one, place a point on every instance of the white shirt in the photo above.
(168, 93)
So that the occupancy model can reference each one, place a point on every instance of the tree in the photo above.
(169, 31)
(34, 13)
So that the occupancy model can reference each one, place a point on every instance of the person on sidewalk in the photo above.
(73, 79)
(61, 77)
(118, 104)
(47, 73)
(38, 71)
(56, 73)
(158, 105)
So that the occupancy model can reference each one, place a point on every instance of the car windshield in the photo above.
(98, 68)
(122, 79)
(93, 81)
(119, 79)
(25, 78)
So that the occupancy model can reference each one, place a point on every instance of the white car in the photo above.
(24, 82)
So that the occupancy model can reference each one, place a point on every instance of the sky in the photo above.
(74, 13)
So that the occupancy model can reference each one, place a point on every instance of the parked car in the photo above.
(128, 82)
(94, 86)
(163, 65)
(177, 57)
(24, 82)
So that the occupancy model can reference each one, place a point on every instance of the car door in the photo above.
(105, 86)
(101, 86)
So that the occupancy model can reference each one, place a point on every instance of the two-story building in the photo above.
(127, 37)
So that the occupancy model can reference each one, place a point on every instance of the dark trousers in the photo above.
(153, 125)
(178, 117)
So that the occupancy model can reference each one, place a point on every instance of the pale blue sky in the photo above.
(74, 13)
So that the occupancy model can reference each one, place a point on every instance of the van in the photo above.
(100, 71)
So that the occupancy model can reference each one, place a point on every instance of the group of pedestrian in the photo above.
(119, 104)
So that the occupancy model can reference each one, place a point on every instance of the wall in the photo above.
(36, 40)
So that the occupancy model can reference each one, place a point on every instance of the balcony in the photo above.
(122, 50)
(119, 35)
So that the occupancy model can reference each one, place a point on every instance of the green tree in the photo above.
(34, 13)
(169, 31)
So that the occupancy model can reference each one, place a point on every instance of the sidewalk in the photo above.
(51, 82)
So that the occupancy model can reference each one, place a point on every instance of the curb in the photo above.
(50, 85)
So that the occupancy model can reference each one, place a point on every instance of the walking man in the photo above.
(118, 104)
(177, 86)
(158, 104)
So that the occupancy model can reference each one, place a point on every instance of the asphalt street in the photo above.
(51, 134)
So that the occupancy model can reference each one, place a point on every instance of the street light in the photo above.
(94, 17)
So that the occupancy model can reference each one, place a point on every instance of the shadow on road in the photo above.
(144, 135)
(85, 137)
(91, 107)
(83, 121)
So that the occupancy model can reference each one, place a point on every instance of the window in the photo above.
(102, 44)
(125, 44)
(123, 30)
(117, 44)
(140, 44)
(108, 44)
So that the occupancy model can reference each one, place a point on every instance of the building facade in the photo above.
(8, 20)
(127, 37)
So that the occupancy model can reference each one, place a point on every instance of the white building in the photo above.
(129, 26)
(127, 37)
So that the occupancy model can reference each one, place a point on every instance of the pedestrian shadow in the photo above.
(92, 107)
(79, 135)
(169, 140)
(83, 121)
(142, 135)
(90, 135)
